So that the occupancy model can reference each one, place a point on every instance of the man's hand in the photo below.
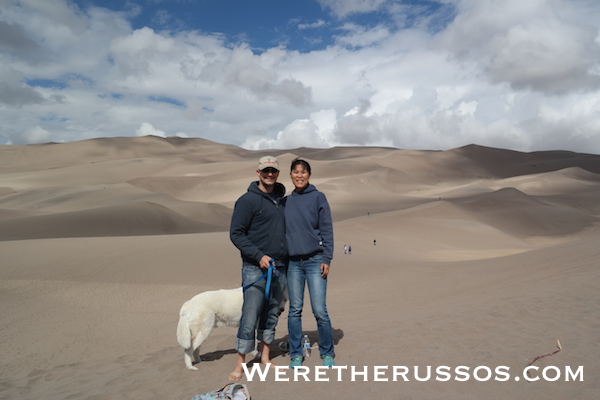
(265, 261)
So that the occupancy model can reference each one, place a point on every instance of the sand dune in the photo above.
(503, 163)
(483, 257)
(131, 219)
(514, 212)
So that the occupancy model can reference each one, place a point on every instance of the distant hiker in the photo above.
(345, 249)
(374, 242)
(349, 249)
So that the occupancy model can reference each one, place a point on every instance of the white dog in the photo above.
(199, 315)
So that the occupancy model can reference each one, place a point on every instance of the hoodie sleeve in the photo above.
(326, 228)
(238, 230)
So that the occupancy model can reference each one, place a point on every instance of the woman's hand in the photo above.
(324, 270)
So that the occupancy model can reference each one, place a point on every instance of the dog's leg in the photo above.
(204, 331)
(188, 355)
(184, 337)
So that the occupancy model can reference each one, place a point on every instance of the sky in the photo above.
(410, 74)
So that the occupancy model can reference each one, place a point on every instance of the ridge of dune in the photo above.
(191, 188)
(519, 214)
(434, 168)
(131, 219)
(19, 158)
(570, 179)
(503, 163)
(340, 152)
(56, 200)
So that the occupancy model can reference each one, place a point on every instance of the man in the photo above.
(258, 231)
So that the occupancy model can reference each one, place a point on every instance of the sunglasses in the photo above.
(270, 171)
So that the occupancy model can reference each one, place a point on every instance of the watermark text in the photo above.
(396, 373)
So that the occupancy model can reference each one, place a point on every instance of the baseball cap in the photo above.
(268, 162)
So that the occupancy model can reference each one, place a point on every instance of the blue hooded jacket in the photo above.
(258, 225)
(309, 227)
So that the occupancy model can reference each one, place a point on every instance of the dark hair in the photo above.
(299, 161)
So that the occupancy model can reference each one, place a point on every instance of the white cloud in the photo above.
(534, 44)
(522, 75)
(256, 75)
(318, 24)
(13, 93)
(32, 136)
(316, 131)
(358, 36)
(343, 8)
(146, 129)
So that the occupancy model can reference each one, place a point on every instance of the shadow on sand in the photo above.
(279, 347)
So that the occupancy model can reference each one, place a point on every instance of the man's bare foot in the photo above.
(265, 355)
(235, 375)
(268, 363)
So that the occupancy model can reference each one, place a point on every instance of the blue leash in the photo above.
(269, 276)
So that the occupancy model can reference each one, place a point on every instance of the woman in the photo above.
(309, 233)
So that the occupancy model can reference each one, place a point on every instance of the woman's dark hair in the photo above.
(299, 161)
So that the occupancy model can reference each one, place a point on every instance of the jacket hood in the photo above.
(279, 189)
(308, 189)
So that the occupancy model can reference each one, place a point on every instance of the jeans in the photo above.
(308, 272)
(259, 315)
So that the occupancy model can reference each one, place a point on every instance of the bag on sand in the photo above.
(231, 391)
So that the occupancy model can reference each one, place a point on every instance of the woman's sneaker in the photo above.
(296, 362)
(328, 361)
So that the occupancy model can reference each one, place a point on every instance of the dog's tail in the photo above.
(184, 334)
